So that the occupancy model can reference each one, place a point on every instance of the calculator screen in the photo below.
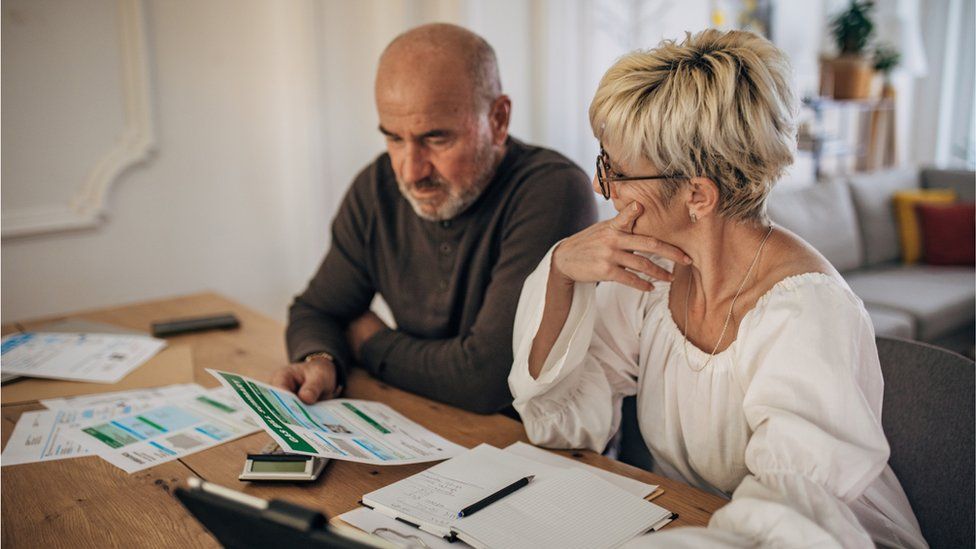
(278, 466)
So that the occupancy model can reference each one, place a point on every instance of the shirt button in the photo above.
(446, 224)
(442, 285)
(445, 248)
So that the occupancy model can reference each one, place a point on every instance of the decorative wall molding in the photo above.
(87, 208)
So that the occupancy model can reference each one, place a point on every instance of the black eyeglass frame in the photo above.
(603, 170)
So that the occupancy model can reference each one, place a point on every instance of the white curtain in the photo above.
(943, 108)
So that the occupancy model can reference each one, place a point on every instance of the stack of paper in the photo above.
(561, 507)
(401, 533)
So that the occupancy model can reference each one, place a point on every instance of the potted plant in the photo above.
(882, 142)
(852, 70)
(886, 59)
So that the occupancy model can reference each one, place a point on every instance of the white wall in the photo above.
(226, 203)
(264, 113)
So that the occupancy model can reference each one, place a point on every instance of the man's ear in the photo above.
(499, 117)
(703, 198)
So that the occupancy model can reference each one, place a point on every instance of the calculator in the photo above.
(273, 463)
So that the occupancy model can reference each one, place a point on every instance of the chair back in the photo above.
(929, 414)
(929, 417)
(632, 449)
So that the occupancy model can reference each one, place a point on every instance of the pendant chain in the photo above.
(728, 317)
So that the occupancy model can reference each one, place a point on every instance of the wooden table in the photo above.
(87, 502)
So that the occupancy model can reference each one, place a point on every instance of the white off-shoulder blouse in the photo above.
(786, 421)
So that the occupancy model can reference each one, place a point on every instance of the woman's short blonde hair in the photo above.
(717, 105)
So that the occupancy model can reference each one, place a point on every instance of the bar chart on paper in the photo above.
(43, 435)
(166, 432)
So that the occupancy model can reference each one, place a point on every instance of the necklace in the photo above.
(728, 317)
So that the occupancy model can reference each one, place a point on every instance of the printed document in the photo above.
(99, 358)
(346, 429)
(121, 401)
(40, 435)
(167, 431)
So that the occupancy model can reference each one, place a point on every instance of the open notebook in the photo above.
(561, 507)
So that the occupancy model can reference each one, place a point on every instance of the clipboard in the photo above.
(238, 520)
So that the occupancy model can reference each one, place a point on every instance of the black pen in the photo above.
(477, 506)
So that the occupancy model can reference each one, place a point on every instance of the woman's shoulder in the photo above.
(799, 273)
(820, 290)
(791, 255)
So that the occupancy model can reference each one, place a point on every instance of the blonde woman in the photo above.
(754, 364)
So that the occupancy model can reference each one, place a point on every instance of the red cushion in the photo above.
(948, 233)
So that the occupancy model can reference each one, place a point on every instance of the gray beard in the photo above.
(455, 203)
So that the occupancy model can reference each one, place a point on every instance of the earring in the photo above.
(694, 218)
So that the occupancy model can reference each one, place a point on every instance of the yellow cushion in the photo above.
(908, 230)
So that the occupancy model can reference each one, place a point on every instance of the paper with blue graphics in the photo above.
(352, 430)
(45, 435)
(96, 358)
(167, 431)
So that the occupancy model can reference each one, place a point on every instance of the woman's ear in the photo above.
(702, 198)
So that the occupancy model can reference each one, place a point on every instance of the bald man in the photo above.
(445, 226)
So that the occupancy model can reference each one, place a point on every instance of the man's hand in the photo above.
(311, 380)
(361, 330)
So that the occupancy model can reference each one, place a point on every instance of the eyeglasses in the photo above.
(605, 174)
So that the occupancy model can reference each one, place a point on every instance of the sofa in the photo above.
(851, 221)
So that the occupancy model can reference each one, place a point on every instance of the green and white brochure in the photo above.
(353, 430)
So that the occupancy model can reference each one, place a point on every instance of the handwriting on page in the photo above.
(434, 496)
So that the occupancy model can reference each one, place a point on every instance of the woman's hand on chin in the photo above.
(606, 252)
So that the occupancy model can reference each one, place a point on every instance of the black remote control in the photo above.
(197, 324)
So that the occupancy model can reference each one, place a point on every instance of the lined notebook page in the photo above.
(568, 509)
(634, 486)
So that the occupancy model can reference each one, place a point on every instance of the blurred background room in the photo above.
(154, 148)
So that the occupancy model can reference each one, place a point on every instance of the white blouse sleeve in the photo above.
(813, 389)
(575, 402)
